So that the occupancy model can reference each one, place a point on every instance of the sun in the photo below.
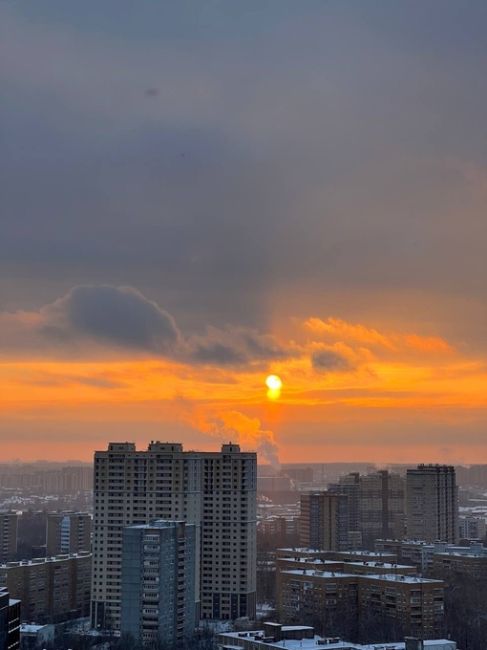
(273, 382)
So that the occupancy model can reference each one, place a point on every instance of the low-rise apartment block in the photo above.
(411, 603)
(439, 559)
(302, 637)
(51, 589)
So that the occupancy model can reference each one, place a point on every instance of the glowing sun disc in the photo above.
(273, 382)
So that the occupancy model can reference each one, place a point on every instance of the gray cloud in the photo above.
(236, 346)
(259, 169)
(121, 316)
(330, 360)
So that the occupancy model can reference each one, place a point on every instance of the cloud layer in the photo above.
(89, 318)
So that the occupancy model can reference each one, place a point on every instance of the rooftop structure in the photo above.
(302, 637)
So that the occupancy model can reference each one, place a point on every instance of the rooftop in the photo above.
(316, 642)
(390, 577)
(46, 560)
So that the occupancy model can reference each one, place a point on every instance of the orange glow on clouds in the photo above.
(408, 378)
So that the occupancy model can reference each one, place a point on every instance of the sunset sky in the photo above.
(195, 195)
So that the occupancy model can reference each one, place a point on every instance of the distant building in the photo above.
(439, 558)
(51, 589)
(375, 506)
(31, 534)
(470, 527)
(431, 504)
(349, 484)
(8, 536)
(323, 523)
(270, 484)
(381, 506)
(414, 552)
(9, 621)
(68, 532)
(158, 581)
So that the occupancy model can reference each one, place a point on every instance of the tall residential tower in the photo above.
(432, 503)
(215, 491)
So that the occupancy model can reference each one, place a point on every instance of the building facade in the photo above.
(51, 589)
(381, 506)
(8, 536)
(472, 528)
(302, 637)
(323, 522)
(9, 621)
(68, 532)
(414, 605)
(432, 504)
(215, 491)
(158, 581)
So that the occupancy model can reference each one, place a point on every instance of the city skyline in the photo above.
(198, 196)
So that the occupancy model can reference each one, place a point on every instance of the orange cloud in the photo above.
(341, 330)
(395, 342)
(362, 371)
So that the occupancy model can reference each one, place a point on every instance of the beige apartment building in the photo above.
(215, 491)
(51, 589)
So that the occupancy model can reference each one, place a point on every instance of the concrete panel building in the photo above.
(158, 581)
(381, 506)
(324, 521)
(68, 532)
(8, 536)
(9, 621)
(414, 604)
(51, 589)
(302, 637)
(432, 504)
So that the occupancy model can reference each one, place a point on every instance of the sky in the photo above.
(194, 195)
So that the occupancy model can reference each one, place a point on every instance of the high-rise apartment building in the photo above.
(432, 503)
(381, 506)
(158, 581)
(215, 491)
(375, 505)
(68, 532)
(323, 523)
(9, 622)
(349, 484)
(8, 536)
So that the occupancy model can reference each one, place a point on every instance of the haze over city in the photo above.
(196, 196)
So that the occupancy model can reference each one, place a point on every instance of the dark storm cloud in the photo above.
(121, 316)
(330, 361)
